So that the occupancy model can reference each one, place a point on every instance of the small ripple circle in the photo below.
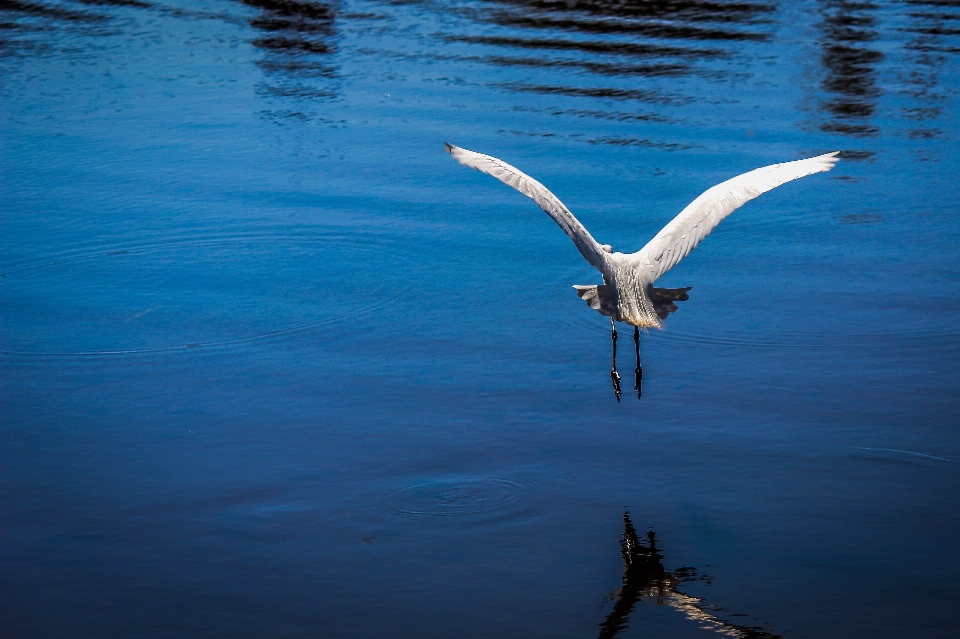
(455, 497)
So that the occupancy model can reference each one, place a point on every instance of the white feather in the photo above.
(631, 277)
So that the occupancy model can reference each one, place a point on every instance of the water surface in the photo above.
(274, 365)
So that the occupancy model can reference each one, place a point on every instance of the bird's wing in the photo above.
(546, 200)
(701, 216)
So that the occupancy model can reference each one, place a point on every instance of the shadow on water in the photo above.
(847, 28)
(645, 577)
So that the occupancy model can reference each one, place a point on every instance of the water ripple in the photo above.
(454, 497)
(121, 293)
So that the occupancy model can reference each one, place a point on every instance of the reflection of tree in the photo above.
(851, 79)
(600, 39)
(692, 19)
(575, 34)
(645, 576)
(297, 37)
(934, 42)
(23, 23)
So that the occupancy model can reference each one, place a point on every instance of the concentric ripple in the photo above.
(199, 292)
(455, 497)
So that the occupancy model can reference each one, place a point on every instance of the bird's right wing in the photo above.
(546, 200)
(701, 216)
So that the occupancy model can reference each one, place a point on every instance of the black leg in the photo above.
(639, 371)
(614, 375)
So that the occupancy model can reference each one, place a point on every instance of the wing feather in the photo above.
(701, 216)
(546, 200)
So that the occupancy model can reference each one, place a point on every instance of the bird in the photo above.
(628, 294)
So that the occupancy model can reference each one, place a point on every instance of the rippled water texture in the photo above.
(273, 365)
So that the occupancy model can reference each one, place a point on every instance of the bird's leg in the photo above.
(639, 371)
(614, 375)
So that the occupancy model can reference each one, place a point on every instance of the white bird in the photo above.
(627, 293)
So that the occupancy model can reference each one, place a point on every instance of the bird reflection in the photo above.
(645, 577)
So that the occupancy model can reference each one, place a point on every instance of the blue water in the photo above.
(273, 365)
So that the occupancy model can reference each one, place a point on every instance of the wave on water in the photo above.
(905, 452)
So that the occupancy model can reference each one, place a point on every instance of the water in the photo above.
(275, 366)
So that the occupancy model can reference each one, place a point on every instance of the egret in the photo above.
(628, 294)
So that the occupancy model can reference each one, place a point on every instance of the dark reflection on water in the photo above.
(612, 68)
(118, 3)
(49, 12)
(29, 28)
(22, 22)
(638, 49)
(675, 20)
(645, 577)
(851, 76)
(297, 37)
(935, 35)
(640, 95)
(935, 25)
(602, 68)
(600, 38)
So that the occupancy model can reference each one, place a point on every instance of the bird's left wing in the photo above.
(701, 216)
(546, 200)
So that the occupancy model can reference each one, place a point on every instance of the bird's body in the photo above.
(628, 294)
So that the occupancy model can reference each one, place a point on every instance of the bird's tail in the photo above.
(665, 299)
(600, 298)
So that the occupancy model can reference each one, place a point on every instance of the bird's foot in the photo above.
(639, 376)
(615, 376)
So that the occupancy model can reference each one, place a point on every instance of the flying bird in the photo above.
(628, 294)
